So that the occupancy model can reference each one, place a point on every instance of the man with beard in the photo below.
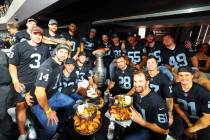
(149, 112)
(72, 37)
(25, 34)
(176, 56)
(25, 59)
(122, 80)
(192, 104)
(160, 84)
(47, 97)
(90, 43)
(136, 52)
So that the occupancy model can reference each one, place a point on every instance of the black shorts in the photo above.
(17, 96)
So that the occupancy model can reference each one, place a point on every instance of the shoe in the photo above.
(22, 137)
(31, 133)
(56, 136)
(12, 113)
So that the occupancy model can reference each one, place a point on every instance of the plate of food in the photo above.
(86, 110)
(99, 102)
(87, 127)
(123, 100)
(119, 113)
(93, 93)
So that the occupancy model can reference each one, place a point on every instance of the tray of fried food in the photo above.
(119, 113)
(122, 100)
(86, 110)
(99, 102)
(87, 127)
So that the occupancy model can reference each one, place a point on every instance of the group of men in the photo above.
(50, 70)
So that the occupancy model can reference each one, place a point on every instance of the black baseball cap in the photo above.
(70, 61)
(62, 46)
(132, 34)
(150, 33)
(185, 69)
(82, 54)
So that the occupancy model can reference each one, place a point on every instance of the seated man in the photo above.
(192, 106)
(122, 79)
(84, 74)
(68, 83)
(48, 99)
(149, 113)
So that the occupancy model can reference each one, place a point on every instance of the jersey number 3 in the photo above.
(36, 57)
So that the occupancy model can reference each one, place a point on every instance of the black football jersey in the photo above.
(117, 51)
(83, 72)
(124, 78)
(156, 51)
(28, 59)
(48, 76)
(194, 102)
(161, 85)
(68, 85)
(75, 40)
(89, 44)
(22, 36)
(177, 57)
(135, 53)
(51, 47)
(153, 110)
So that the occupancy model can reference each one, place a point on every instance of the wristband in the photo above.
(48, 111)
(189, 125)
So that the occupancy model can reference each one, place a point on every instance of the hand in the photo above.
(52, 118)
(19, 87)
(136, 117)
(29, 99)
(69, 43)
(188, 44)
(190, 134)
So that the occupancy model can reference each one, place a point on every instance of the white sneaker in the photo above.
(12, 113)
(22, 137)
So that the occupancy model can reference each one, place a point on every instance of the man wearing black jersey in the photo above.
(73, 38)
(48, 98)
(25, 34)
(160, 84)
(84, 72)
(149, 112)
(152, 47)
(25, 58)
(122, 80)
(118, 50)
(192, 104)
(68, 82)
(135, 51)
(90, 43)
(176, 56)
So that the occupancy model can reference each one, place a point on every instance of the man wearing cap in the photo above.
(89, 43)
(136, 51)
(25, 59)
(192, 104)
(47, 98)
(68, 82)
(25, 34)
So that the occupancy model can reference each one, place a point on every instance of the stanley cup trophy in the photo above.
(99, 70)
